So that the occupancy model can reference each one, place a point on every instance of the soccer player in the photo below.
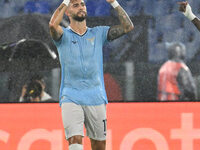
(82, 93)
(187, 11)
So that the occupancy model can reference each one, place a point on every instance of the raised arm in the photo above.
(187, 11)
(125, 26)
(56, 30)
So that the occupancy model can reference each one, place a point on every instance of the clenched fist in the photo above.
(110, 1)
(187, 10)
(182, 6)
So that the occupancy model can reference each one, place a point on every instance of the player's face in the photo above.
(78, 10)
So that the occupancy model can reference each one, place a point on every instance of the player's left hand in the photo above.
(110, 1)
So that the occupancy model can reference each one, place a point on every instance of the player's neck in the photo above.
(79, 27)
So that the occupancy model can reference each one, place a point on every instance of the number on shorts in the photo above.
(104, 123)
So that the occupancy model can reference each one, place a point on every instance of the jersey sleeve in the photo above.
(60, 41)
(104, 32)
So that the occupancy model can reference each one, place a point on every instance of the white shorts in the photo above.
(93, 117)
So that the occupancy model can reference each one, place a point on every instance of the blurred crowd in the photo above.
(175, 28)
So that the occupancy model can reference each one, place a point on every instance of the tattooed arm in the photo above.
(196, 22)
(125, 26)
(56, 30)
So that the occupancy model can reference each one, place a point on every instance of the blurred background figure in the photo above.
(33, 92)
(175, 81)
(8, 8)
(36, 79)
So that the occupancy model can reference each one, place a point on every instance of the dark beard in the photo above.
(79, 19)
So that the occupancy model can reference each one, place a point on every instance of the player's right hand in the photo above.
(187, 10)
(66, 2)
(110, 1)
(182, 6)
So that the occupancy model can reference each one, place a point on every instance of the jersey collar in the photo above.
(78, 33)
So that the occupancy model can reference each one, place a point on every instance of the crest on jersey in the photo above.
(91, 40)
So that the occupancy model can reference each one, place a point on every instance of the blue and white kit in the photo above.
(81, 60)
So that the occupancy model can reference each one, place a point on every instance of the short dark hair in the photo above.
(176, 50)
(38, 77)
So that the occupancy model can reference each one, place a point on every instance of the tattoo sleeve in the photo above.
(55, 29)
(125, 26)
(196, 22)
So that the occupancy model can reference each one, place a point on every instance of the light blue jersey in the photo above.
(81, 60)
